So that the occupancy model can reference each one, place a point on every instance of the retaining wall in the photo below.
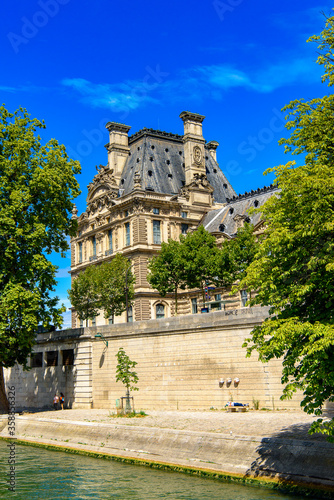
(181, 361)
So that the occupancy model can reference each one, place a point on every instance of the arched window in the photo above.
(159, 311)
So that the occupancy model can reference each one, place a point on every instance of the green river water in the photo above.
(43, 474)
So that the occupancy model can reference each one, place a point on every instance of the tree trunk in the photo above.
(127, 404)
(4, 405)
(176, 301)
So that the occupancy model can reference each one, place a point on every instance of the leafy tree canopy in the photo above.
(167, 271)
(84, 294)
(199, 252)
(196, 261)
(293, 270)
(37, 186)
(115, 285)
(105, 287)
(235, 256)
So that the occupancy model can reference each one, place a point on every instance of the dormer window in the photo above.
(156, 211)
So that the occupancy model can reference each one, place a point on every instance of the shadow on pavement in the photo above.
(293, 455)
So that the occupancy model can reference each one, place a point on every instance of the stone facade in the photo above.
(156, 186)
(184, 362)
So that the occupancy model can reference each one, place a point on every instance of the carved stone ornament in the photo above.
(137, 180)
(240, 220)
(74, 212)
(83, 217)
(137, 206)
(102, 183)
(100, 220)
(201, 181)
(197, 152)
(184, 192)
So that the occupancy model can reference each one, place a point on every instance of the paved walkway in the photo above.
(286, 424)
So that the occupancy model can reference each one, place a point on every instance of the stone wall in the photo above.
(181, 364)
(181, 361)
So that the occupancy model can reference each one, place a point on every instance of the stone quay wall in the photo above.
(182, 362)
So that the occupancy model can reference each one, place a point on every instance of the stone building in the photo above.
(156, 186)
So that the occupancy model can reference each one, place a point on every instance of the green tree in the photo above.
(126, 375)
(167, 270)
(235, 256)
(293, 271)
(115, 285)
(37, 186)
(199, 253)
(84, 294)
(107, 287)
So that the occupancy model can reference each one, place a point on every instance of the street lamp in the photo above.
(99, 335)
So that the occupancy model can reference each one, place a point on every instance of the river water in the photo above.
(43, 474)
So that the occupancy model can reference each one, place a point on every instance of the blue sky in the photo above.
(78, 64)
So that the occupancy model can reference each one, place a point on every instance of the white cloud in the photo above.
(124, 96)
(198, 81)
(262, 80)
(4, 88)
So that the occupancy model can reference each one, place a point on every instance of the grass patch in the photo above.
(132, 414)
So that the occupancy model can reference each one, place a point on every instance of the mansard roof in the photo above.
(228, 219)
(158, 159)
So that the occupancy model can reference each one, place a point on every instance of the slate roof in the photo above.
(158, 157)
(226, 219)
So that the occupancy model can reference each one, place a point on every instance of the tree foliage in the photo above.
(235, 256)
(104, 287)
(115, 285)
(37, 186)
(197, 262)
(84, 294)
(199, 253)
(293, 271)
(125, 372)
(166, 270)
